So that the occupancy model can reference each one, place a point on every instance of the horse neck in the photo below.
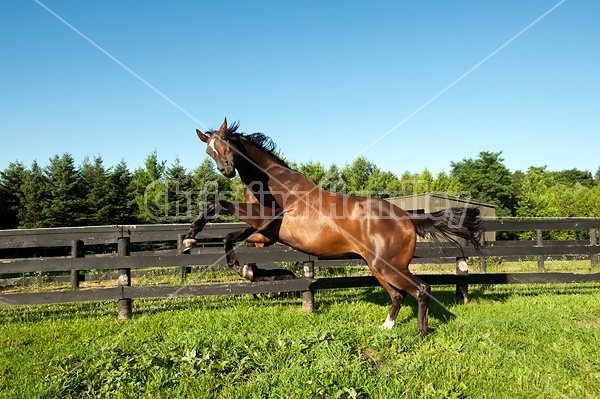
(256, 164)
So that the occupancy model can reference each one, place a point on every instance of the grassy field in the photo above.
(508, 342)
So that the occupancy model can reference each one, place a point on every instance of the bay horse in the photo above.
(283, 206)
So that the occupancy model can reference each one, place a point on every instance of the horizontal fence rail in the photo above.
(211, 253)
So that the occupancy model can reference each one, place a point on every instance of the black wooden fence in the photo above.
(84, 243)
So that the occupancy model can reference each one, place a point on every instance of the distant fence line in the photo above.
(81, 239)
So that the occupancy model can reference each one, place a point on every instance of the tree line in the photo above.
(64, 194)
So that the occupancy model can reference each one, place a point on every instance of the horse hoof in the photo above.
(387, 324)
(248, 271)
(188, 243)
(422, 333)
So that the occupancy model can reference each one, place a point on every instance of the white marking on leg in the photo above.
(388, 323)
(211, 145)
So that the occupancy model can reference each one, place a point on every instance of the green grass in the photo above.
(508, 342)
(496, 265)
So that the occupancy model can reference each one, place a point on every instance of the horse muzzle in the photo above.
(227, 170)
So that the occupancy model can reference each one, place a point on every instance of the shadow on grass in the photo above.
(442, 299)
(501, 293)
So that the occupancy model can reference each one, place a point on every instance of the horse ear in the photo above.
(224, 126)
(202, 136)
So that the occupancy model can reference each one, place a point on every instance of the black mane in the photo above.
(260, 140)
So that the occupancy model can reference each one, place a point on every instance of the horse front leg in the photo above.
(189, 241)
(264, 229)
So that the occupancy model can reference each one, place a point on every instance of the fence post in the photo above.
(482, 264)
(308, 297)
(124, 311)
(540, 243)
(593, 242)
(183, 270)
(76, 252)
(462, 289)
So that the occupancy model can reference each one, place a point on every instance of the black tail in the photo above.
(450, 223)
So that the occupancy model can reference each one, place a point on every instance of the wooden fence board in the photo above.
(98, 235)
(39, 298)
(543, 224)
(93, 235)
(280, 286)
(260, 287)
(209, 256)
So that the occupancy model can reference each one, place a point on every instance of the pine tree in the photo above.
(122, 196)
(64, 205)
(151, 193)
(97, 194)
(333, 180)
(207, 185)
(11, 191)
(35, 196)
(383, 185)
(179, 188)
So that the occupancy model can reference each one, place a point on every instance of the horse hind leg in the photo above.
(399, 283)
(397, 297)
(420, 290)
(250, 271)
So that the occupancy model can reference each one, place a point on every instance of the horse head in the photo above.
(221, 149)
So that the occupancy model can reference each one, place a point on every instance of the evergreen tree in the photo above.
(409, 182)
(207, 185)
(64, 204)
(179, 186)
(151, 192)
(123, 206)
(152, 171)
(383, 184)
(35, 196)
(11, 192)
(333, 180)
(98, 198)
(425, 182)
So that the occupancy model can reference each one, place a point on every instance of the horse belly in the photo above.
(318, 238)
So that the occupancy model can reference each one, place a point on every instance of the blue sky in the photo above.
(411, 85)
